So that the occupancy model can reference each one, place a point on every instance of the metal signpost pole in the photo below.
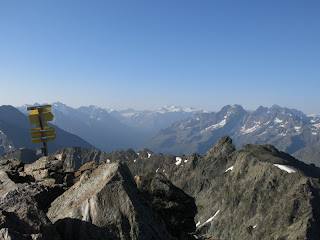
(45, 149)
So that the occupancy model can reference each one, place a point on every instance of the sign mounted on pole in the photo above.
(40, 116)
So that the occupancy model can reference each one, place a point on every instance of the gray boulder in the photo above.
(49, 170)
(105, 204)
(21, 212)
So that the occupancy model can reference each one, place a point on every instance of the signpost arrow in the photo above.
(40, 116)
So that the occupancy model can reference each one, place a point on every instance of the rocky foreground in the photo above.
(76, 193)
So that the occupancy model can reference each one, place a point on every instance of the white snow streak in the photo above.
(255, 226)
(198, 223)
(149, 155)
(249, 130)
(215, 126)
(229, 169)
(317, 125)
(285, 168)
(262, 133)
(297, 128)
(277, 120)
(210, 219)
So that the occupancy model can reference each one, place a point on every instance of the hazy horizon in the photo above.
(152, 109)
(147, 54)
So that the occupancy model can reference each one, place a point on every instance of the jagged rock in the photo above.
(22, 213)
(246, 194)
(50, 170)
(82, 169)
(44, 192)
(85, 167)
(76, 157)
(105, 204)
(122, 155)
(14, 169)
(176, 208)
(243, 195)
(222, 148)
(6, 184)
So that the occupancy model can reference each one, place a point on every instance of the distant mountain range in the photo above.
(176, 130)
(15, 133)
(151, 121)
(289, 130)
(111, 130)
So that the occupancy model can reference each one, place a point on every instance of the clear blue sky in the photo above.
(146, 54)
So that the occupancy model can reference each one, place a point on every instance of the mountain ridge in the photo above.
(288, 129)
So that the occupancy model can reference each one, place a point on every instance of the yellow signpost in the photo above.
(40, 116)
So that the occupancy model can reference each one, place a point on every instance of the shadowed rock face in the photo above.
(107, 198)
(176, 208)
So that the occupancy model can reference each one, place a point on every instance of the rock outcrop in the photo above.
(105, 202)
(49, 170)
(23, 215)
(257, 192)
(76, 157)
(176, 208)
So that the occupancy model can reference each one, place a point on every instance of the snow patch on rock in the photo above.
(285, 168)
(229, 169)
(178, 161)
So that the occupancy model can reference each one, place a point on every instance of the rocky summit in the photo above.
(45, 200)
(257, 192)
